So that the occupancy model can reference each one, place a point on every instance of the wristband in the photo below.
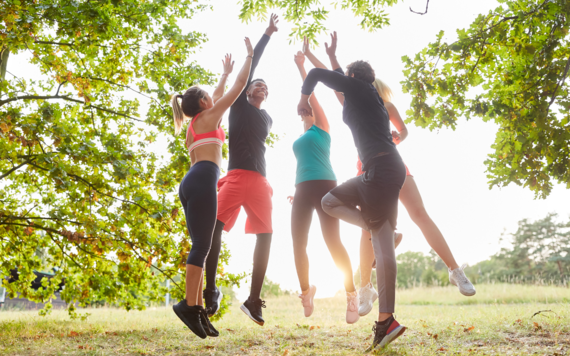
(249, 57)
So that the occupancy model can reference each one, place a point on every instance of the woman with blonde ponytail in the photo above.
(198, 189)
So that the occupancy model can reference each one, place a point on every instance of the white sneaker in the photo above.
(368, 296)
(352, 307)
(307, 300)
(397, 238)
(457, 278)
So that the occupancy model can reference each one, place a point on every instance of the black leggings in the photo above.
(199, 197)
(308, 196)
(260, 260)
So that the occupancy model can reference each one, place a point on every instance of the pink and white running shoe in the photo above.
(307, 300)
(352, 302)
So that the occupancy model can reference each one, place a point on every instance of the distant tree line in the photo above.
(538, 253)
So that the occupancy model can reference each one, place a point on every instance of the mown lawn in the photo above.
(495, 326)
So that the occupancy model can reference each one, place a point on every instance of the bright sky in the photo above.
(447, 165)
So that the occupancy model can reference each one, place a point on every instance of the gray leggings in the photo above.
(383, 243)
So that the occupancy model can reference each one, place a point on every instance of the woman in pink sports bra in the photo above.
(198, 189)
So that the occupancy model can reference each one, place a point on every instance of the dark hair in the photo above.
(362, 70)
(190, 106)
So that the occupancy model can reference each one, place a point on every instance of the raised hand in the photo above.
(228, 64)
(249, 47)
(299, 59)
(331, 51)
(306, 46)
(273, 21)
(304, 108)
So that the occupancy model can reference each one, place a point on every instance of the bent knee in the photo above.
(329, 202)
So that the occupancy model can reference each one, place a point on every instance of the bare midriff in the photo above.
(210, 152)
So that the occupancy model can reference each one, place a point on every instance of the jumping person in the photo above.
(245, 185)
(412, 200)
(376, 191)
(314, 179)
(197, 192)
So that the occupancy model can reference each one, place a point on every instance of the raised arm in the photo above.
(396, 120)
(221, 88)
(319, 114)
(332, 79)
(331, 51)
(318, 64)
(230, 97)
(258, 51)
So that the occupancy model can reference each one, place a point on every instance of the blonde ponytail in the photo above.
(178, 114)
(383, 90)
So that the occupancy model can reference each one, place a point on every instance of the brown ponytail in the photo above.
(190, 106)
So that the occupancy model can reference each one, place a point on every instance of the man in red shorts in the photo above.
(245, 185)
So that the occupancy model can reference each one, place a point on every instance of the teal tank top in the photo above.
(313, 151)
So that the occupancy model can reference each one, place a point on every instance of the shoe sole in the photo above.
(369, 307)
(219, 304)
(246, 311)
(348, 322)
(188, 326)
(467, 294)
(388, 339)
(312, 305)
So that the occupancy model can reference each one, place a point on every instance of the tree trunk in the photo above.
(559, 263)
(3, 62)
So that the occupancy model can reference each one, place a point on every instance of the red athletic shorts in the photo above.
(251, 190)
(359, 168)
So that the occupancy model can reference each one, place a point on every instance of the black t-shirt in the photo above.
(249, 126)
(363, 112)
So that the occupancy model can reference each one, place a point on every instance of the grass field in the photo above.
(439, 324)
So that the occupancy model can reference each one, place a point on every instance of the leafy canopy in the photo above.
(309, 15)
(510, 67)
(80, 177)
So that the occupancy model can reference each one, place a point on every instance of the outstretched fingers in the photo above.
(306, 45)
(228, 64)
(248, 46)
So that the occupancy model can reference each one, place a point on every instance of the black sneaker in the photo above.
(212, 300)
(208, 327)
(385, 332)
(191, 316)
(253, 309)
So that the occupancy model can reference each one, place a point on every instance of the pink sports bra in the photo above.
(216, 137)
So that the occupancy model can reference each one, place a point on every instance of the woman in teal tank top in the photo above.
(315, 178)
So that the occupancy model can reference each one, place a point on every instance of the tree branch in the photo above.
(59, 87)
(129, 88)
(55, 43)
(421, 13)
(10, 217)
(558, 84)
(93, 187)
(67, 98)
(39, 97)
(14, 169)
